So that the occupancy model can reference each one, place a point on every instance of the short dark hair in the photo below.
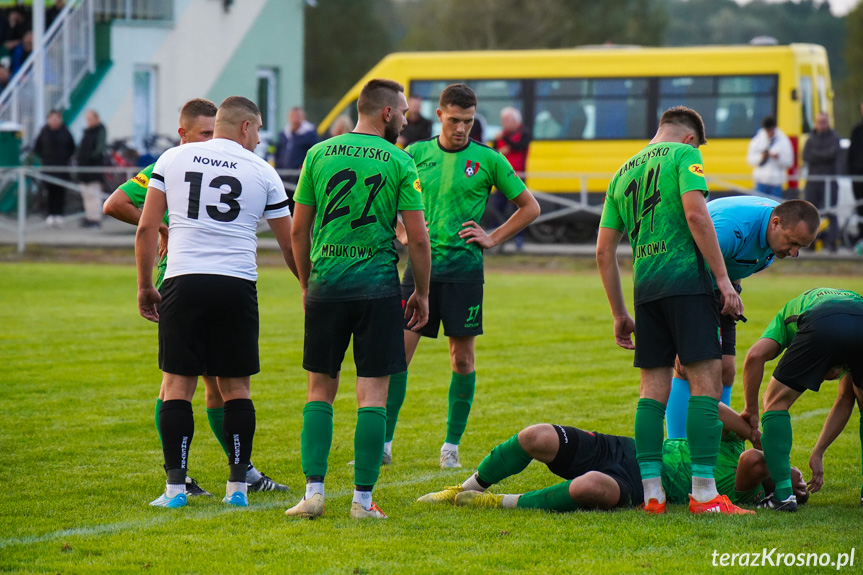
(235, 110)
(197, 108)
(457, 95)
(768, 123)
(685, 118)
(377, 94)
(792, 212)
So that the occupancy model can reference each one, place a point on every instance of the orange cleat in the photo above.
(653, 507)
(719, 504)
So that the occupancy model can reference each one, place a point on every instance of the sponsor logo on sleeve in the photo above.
(142, 180)
(417, 186)
(697, 169)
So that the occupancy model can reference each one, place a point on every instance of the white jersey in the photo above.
(217, 192)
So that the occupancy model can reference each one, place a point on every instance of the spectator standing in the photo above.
(821, 154)
(771, 154)
(855, 168)
(54, 11)
(513, 142)
(55, 147)
(294, 143)
(21, 52)
(91, 153)
(341, 125)
(418, 128)
(16, 26)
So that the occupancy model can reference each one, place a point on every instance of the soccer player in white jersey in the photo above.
(215, 193)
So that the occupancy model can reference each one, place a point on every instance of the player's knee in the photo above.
(594, 490)
(462, 363)
(537, 440)
(753, 461)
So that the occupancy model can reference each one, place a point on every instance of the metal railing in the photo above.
(134, 10)
(69, 57)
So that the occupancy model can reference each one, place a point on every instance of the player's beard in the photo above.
(392, 130)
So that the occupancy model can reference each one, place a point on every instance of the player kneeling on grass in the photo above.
(602, 472)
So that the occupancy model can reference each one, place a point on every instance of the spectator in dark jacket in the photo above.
(855, 168)
(21, 52)
(418, 128)
(91, 153)
(821, 154)
(293, 145)
(55, 147)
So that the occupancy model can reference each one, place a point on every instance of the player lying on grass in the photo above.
(602, 473)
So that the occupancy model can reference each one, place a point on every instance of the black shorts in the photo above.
(375, 324)
(727, 325)
(457, 305)
(686, 326)
(822, 342)
(582, 451)
(208, 324)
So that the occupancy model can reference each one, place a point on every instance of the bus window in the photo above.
(591, 109)
(822, 94)
(806, 102)
(492, 97)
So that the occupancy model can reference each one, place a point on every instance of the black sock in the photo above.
(178, 428)
(239, 430)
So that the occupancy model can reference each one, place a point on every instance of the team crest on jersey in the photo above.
(697, 169)
(471, 168)
(142, 180)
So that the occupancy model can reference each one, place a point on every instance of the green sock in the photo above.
(704, 431)
(316, 438)
(649, 433)
(369, 444)
(777, 440)
(505, 460)
(461, 389)
(395, 398)
(216, 418)
(554, 498)
(158, 428)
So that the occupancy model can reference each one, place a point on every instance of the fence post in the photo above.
(22, 209)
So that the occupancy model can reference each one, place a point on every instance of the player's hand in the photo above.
(163, 240)
(732, 305)
(417, 311)
(750, 414)
(474, 234)
(816, 464)
(755, 438)
(799, 486)
(623, 329)
(148, 303)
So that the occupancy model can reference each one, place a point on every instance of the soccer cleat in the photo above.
(653, 507)
(359, 512)
(308, 508)
(264, 483)
(449, 459)
(445, 496)
(719, 504)
(237, 499)
(179, 500)
(195, 490)
(387, 458)
(771, 502)
(478, 499)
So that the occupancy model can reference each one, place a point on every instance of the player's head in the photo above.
(383, 103)
(197, 121)
(684, 125)
(239, 119)
(456, 111)
(793, 225)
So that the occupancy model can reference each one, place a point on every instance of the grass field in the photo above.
(80, 459)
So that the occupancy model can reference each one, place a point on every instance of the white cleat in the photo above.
(359, 512)
(449, 459)
(309, 508)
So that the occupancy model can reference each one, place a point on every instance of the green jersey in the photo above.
(677, 470)
(136, 189)
(821, 301)
(644, 199)
(456, 185)
(356, 183)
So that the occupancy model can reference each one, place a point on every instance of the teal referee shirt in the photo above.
(741, 227)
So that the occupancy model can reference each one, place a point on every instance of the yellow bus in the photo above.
(590, 108)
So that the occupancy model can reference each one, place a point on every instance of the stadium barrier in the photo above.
(16, 215)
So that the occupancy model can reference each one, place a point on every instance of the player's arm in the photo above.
(836, 421)
(419, 252)
(281, 228)
(120, 207)
(609, 271)
(704, 234)
(301, 241)
(764, 350)
(527, 211)
(733, 422)
(145, 252)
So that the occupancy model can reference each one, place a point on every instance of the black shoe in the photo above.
(267, 484)
(194, 490)
(771, 502)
